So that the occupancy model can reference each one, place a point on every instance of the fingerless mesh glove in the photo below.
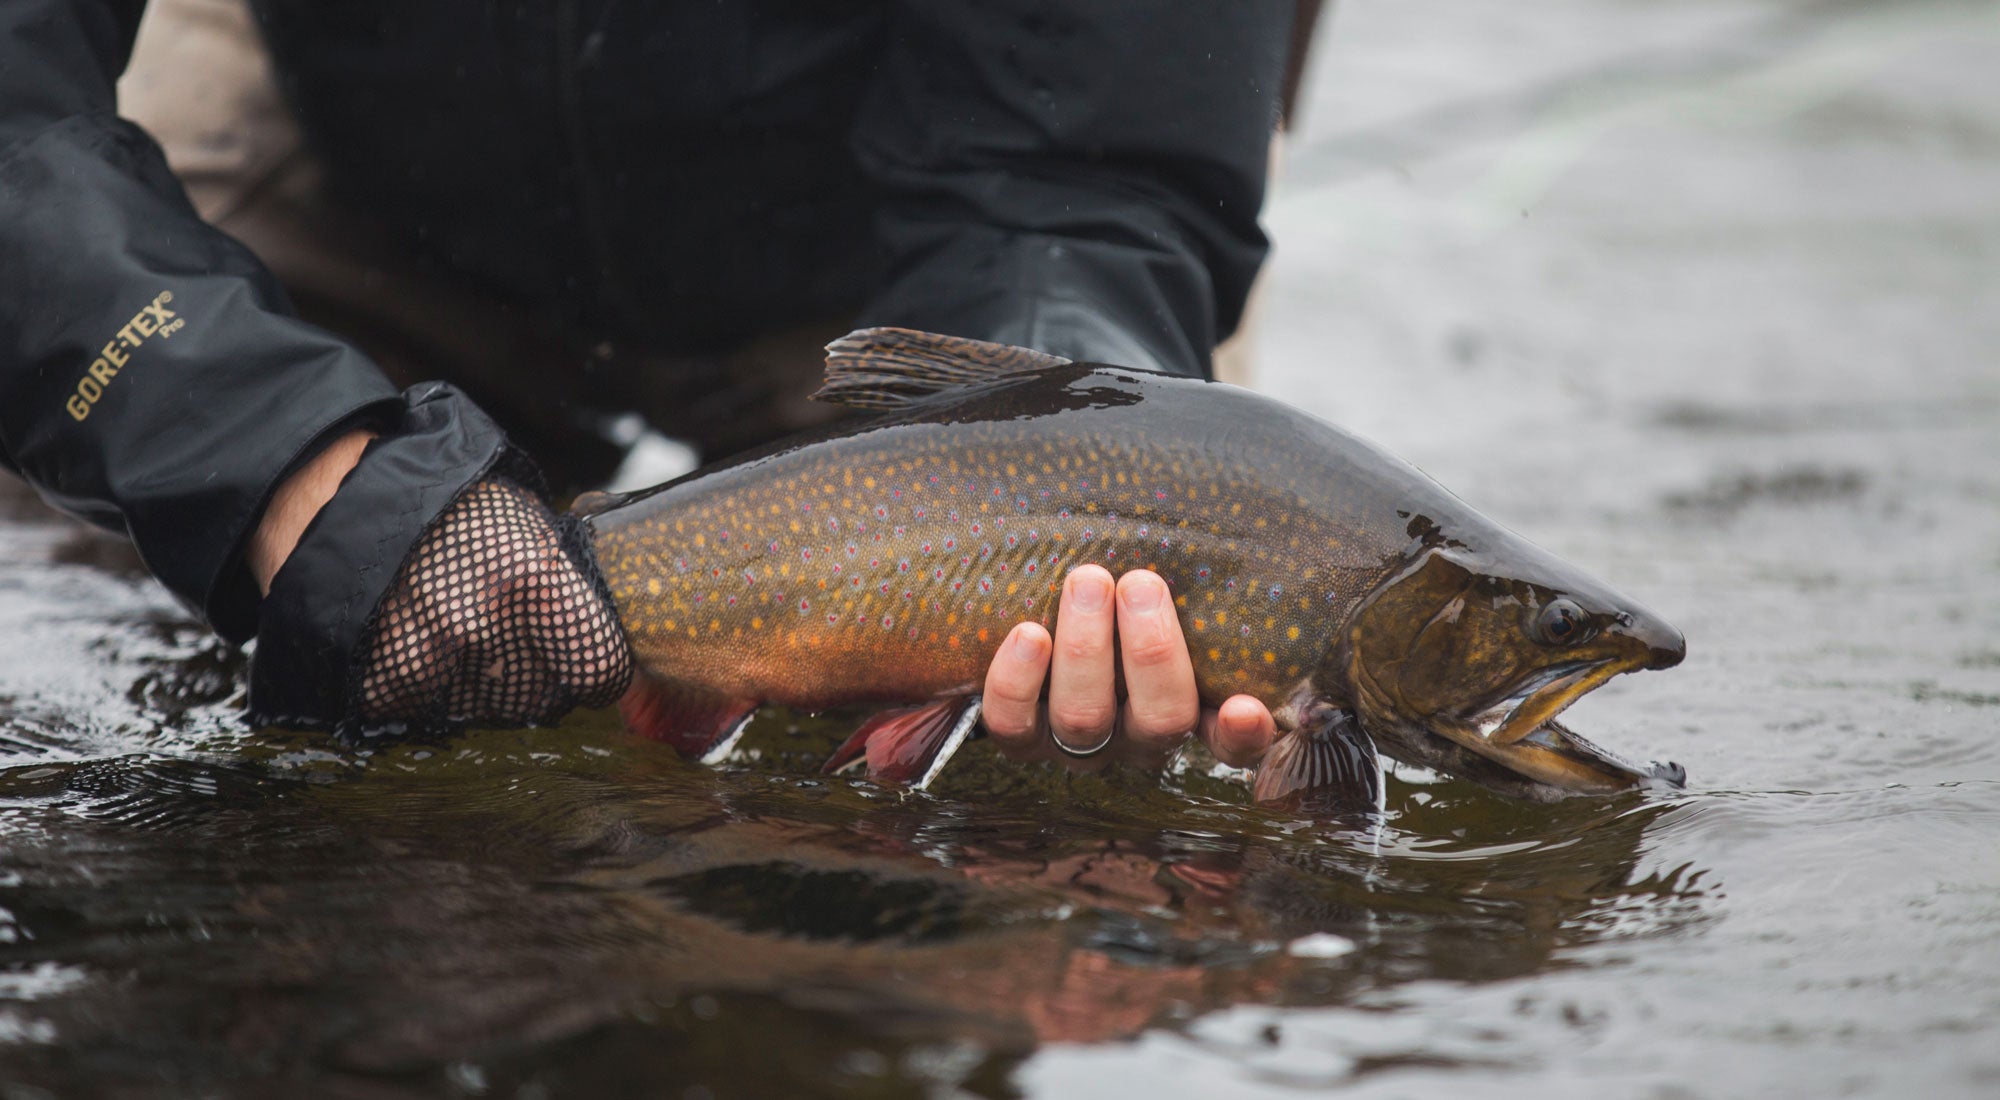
(490, 621)
(435, 591)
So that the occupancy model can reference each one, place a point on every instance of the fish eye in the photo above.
(1561, 622)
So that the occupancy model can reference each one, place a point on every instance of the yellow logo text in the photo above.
(153, 320)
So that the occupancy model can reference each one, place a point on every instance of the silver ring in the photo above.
(1082, 754)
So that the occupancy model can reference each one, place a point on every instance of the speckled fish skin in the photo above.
(886, 563)
(883, 561)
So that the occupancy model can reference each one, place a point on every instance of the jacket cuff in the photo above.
(322, 603)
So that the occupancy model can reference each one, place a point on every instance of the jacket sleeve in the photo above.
(153, 378)
(1079, 176)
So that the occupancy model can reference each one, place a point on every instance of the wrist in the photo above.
(297, 500)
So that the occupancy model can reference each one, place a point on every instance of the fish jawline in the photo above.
(1520, 733)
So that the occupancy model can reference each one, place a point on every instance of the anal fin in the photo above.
(910, 744)
(1327, 767)
(700, 724)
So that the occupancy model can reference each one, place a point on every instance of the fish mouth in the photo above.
(1519, 731)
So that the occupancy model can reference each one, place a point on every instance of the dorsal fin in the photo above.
(886, 368)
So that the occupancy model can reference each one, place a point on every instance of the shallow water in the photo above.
(1699, 296)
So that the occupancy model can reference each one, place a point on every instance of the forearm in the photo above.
(298, 499)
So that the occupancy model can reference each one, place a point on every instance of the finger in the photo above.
(1239, 731)
(1083, 698)
(1011, 707)
(1162, 704)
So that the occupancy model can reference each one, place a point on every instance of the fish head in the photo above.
(1463, 660)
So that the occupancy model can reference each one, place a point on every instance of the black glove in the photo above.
(434, 590)
(491, 621)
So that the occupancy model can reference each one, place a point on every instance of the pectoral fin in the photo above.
(1326, 767)
(696, 723)
(910, 745)
(887, 368)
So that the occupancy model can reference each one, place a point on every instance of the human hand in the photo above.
(1161, 706)
(488, 621)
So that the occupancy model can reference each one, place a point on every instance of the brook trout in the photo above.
(883, 561)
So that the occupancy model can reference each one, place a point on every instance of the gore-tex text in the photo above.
(153, 320)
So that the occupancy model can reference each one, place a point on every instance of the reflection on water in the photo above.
(576, 906)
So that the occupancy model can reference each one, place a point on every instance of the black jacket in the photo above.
(1078, 176)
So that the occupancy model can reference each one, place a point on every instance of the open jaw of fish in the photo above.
(1537, 757)
(1520, 731)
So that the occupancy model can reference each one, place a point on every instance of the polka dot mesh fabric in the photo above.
(492, 623)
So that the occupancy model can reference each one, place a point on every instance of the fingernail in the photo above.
(1024, 647)
(1143, 595)
(1086, 591)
